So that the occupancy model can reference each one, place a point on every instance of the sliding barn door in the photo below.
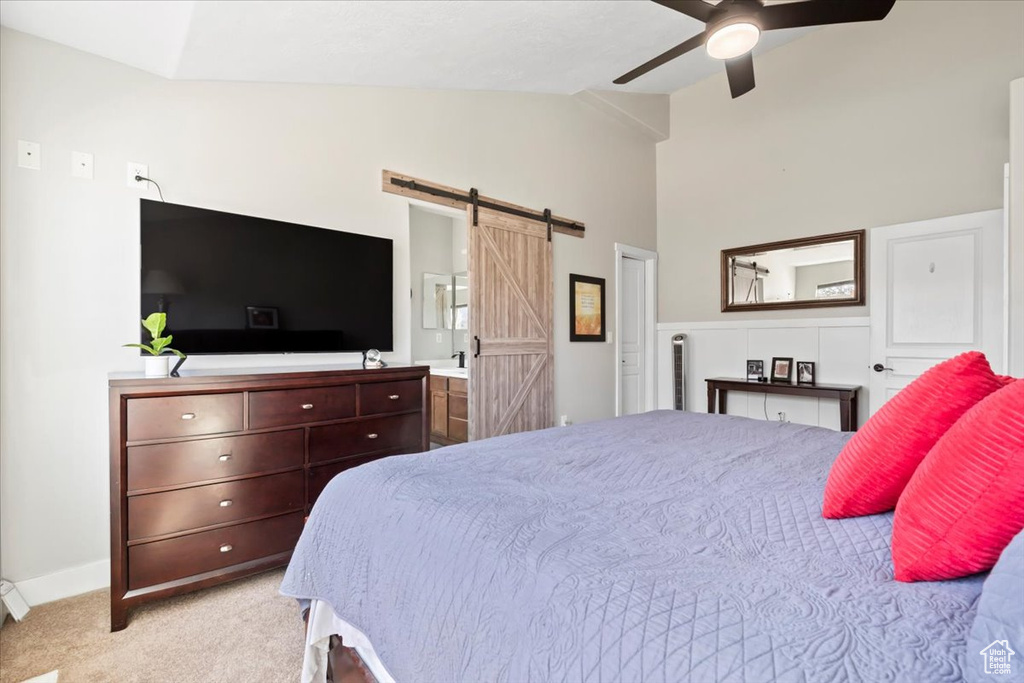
(511, 379)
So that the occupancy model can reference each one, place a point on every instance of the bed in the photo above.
(661, 547)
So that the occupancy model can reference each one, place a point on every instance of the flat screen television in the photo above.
(238, 284)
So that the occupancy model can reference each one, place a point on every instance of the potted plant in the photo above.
(157, 363)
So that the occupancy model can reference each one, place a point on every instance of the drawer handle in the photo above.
(226, 548)
(307, 406)
(226, 503)
(372, 436)
(188, 416)
(393, 397)
(225, 457)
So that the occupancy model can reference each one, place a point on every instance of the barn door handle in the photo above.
(878, 367)
(477, 339)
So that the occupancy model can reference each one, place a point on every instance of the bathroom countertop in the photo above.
(450, 372)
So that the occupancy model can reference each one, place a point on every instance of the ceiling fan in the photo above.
(734, 27)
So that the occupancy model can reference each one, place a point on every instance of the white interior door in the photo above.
(936, 290)
(632, 313)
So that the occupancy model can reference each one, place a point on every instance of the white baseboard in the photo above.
(65, 583)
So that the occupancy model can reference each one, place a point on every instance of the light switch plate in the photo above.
(135, 169)
(81, 165)
(29, 155)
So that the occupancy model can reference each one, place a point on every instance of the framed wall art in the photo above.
(586, 308)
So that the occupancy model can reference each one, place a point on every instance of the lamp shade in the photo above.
(159, 281)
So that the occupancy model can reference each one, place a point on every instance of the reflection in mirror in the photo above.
(460, 302)
(437, 301)
(813, 272)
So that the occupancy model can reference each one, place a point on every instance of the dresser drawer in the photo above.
(184, 462)
(320, 476)
(363, 436)
(390, 397)
(153, 563)
(296, 406)
(155, 514)
(172, 416)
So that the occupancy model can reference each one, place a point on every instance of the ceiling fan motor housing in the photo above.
(733, 30)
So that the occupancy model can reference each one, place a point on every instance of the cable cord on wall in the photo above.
(766, 407)
(140, 178)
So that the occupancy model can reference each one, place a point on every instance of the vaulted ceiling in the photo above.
(546, 46)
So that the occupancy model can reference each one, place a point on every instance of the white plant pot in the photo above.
(157, 366)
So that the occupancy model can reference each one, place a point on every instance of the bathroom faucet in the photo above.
(462, 358)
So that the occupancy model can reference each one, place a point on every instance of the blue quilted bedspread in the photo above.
(660, 547)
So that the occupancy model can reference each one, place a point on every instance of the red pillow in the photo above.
(965, 503)
(876, 464)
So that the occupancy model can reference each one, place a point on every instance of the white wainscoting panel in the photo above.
(837, 346)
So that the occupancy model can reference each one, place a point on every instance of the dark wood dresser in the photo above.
(213, 473)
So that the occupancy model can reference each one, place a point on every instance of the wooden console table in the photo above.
(845, 393)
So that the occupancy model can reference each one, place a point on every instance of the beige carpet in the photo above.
(241, 631)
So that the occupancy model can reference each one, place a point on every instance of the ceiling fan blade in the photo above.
(820, 12)
(698, 9)
(667, 56)
(741, 74)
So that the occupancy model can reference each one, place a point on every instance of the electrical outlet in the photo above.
(135, 169)
(29, 155)
(439, 339)
(782, 416)
(81, 165)
(565, 421)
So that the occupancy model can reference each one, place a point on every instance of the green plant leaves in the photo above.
(155, 323)
(147, 347)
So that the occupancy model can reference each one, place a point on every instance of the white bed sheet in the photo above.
(321, 625)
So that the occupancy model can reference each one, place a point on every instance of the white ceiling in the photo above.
(549, 46)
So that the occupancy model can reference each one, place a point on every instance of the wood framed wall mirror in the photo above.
(811, 272)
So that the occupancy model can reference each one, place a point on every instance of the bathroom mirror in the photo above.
(438, 301)
(812, 272)
(460, 302)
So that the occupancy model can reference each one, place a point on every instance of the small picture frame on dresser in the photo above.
(782, 370)
(755, 370)
(805, 372)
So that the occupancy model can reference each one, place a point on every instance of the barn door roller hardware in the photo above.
(395, 184)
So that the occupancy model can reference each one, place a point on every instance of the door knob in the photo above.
(878, 367)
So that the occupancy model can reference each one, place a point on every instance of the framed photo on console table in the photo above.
(782, 370)
(804, 372)
(586, 308)
(755, 370)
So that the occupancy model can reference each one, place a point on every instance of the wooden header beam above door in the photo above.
(407, 186)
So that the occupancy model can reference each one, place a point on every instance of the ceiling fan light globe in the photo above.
(733, 40)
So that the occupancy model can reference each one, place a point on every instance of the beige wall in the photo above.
(1016, 224)
(307, 154)
(430, 251)
(853, 126)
